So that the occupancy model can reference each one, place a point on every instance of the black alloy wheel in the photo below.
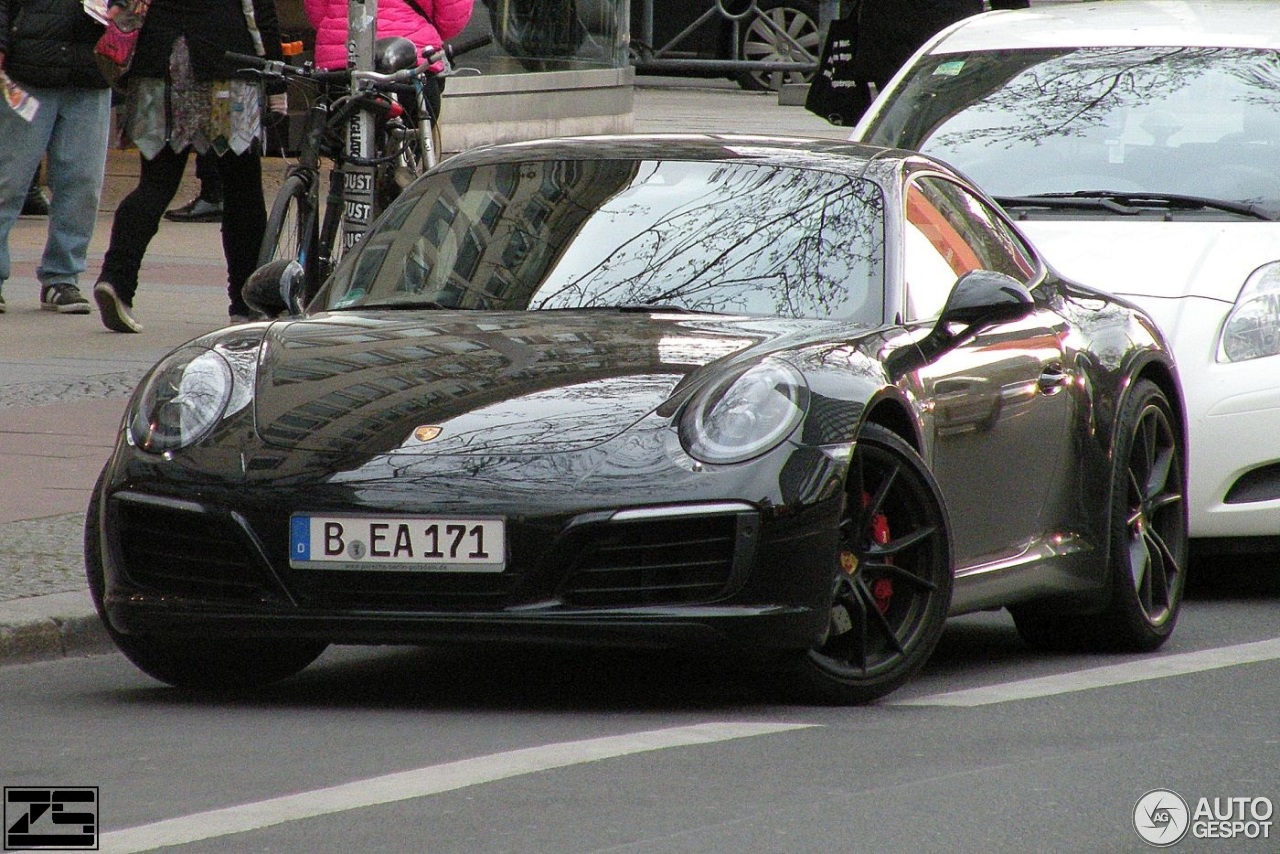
(1148, 545)
(891, 588)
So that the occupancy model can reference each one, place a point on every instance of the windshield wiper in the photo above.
(409, 305)
(1131, 203)
(644, 307)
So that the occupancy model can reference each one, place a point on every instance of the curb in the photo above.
(42, 628)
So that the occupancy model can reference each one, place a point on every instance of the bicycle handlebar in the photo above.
(455, 49)
(278, 68)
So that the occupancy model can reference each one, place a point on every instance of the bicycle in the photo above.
(296, 228)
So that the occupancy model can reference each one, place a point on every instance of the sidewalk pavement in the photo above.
(64, 379)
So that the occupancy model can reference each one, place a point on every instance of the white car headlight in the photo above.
(1252, 329)
(182, 399)
(745, 415)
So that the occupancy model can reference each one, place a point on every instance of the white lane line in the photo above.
(420, 782)
(1104, 677)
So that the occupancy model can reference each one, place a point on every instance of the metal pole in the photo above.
(357, 182)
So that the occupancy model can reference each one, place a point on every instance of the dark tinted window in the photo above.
(718, 237)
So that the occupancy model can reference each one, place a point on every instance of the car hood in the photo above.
(1142, 260)
(482, 382)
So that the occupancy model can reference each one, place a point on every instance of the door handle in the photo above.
(1053, 379)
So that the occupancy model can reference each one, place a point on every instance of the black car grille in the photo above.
(401, 591)
(178, 552)
(656, 562)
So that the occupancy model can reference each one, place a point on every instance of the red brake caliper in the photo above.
(881, 588)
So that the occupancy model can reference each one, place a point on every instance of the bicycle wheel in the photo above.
(291, 226)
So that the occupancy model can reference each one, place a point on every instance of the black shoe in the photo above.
(198, 209)
(115, 314)
(36, 203)
(64, 298)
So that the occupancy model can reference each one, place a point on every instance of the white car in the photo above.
(1137, 144)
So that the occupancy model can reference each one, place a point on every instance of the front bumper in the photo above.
(695, 575)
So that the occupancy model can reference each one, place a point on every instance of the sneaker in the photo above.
(2, 304)
(198, 209)
(115, 314)
(64, 298)
(36, 203)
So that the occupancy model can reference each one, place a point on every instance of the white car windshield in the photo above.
(1196, 122)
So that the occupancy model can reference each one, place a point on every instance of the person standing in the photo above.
(423, 22)
(37, 203)
(181, 95)
(207, 205)
(46, 48)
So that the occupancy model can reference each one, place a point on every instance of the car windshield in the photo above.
(740, 238)
(1187, 123)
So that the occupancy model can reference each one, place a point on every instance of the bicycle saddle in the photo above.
(394, 53)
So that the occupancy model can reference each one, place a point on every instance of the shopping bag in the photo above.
(836, 93)
(115, 48)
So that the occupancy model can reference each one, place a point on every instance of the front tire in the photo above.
(892, 578)
(209, 664)
(1147, 548)
(292, 229)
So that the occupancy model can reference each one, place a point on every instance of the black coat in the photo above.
(211, 28)
(50, 43)
(890, 31)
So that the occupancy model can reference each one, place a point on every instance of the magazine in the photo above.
(97, 9)
(23, 102)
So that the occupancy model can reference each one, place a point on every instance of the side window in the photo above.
(950, 232)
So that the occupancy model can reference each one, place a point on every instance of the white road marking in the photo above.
(1104, 677)
(420, 782)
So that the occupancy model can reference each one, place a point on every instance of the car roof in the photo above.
(803, 152)
(1120, 23)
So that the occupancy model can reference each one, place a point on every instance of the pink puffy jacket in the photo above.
(395, 18)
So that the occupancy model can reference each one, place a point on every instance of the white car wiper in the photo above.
(1131, 203)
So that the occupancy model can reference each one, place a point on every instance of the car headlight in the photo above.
(183, 398)
(1252, 329)
(745, 415)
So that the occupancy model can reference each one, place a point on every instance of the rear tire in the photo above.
(891, 580)
(209, 664)
(1148, 545)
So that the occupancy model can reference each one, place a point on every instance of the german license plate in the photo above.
(386, 543)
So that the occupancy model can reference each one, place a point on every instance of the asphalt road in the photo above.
(993, 748)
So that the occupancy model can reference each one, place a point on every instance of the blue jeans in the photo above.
(71, 127)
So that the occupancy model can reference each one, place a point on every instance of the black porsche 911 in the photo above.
(794, 401)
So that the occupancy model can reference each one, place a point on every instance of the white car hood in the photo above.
(1156, 259)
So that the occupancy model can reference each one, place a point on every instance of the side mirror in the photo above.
(979, 298)
(983, 297)
(276, 288)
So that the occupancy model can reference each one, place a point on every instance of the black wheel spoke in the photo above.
(899, 573)
(878, 619)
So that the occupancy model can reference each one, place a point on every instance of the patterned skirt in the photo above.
(183, 112)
